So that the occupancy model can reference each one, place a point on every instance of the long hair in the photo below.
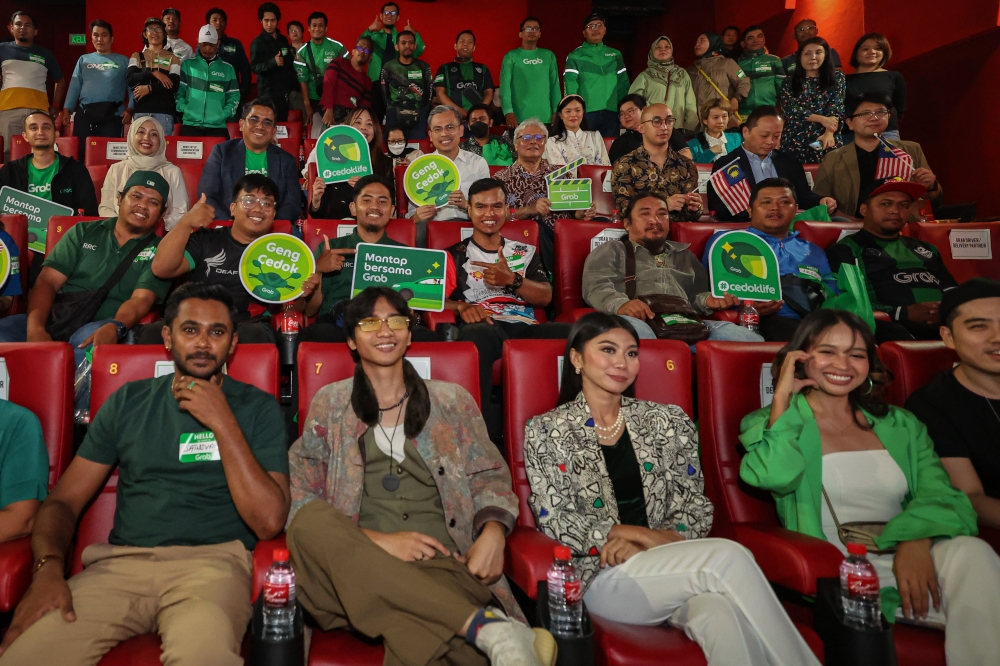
(379, 159)
(812, 328)
(827, 73)
(883, 45)
(584, 330)
(363, 398)
(558, 126)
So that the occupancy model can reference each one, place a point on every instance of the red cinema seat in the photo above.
(494, 170)
(65, 145)
(103, 150)
(59, 225)
(604, 202)
(811, 171)
(402, 201)
(825, 234)
(17, 227)
(696, 234)
(291, 145)
(41, 380)
(442, 235)
(192, 178)
(234, 130)
(279, 226)
(939, 235)
(289, 130)
(530, 382)
(424, 145)
(295, 116)
(498, 130)
(98, 173)
(183, 150)
(730, 386)
(608, 141)
(313, 229)
(913, 364)
(308, 145)
(573, 241)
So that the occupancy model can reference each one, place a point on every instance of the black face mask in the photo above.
(479, 130)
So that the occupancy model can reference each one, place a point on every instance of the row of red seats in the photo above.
(728, 383)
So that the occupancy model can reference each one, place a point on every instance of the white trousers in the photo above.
(714, 591)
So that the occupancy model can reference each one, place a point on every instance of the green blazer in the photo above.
(787, 459)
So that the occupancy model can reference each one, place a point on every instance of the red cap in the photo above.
(897, 184)
(563, 553)
(857, 548)
(280, 554)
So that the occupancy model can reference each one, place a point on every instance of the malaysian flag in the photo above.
(893, 162)
(732, 186)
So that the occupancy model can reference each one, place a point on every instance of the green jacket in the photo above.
(209, 92)
(766, 74)
(379, 46)
(597, 73)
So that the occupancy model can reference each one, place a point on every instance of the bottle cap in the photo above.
(563, 553)
(280, 554)
(857, 549)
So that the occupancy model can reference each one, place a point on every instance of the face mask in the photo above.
(479, 130)
(397, 148)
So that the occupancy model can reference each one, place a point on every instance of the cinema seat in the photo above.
(41, 380)
(696, 234)
(572, 241)
(96, 151)
(313, 230)
(208, 143)
(962, 270)
(442, 235)
(191, 171)
(65, 145)
(914, 364)
(730, 386)
(59, 225)
(824, 234)
(603, 201)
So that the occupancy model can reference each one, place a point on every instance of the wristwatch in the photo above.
(516, 284)
(122, 329)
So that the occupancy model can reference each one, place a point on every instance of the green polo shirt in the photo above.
(162, 499)
(89, 253)
(337, 285)
(24, 460)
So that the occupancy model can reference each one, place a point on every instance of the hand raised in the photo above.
(199, 215)
(331, 260)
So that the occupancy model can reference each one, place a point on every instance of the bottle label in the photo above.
(574, 591)
(750, 319)
(862, 586)
(276, 594)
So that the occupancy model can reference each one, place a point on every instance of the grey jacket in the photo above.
(676, 272)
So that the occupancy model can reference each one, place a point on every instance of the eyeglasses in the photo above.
(532, 30)
(628, 112)
(154, 29)
(396, 323)
(441, 130)
(266, 123)
(594, 26)
(660, 122)
(877, 115)
(248, 201)
(806, 28)
(363, 50)
(390, 13)
(531, 137)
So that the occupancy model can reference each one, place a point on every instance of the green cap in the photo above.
(149, 179)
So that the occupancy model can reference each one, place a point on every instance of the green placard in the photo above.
(4, 263)
(430, 179)
(342, 153)
(38, 210)
(570, 194)
(743, 265)
(417, 274)
(78, 39)
(274, 266)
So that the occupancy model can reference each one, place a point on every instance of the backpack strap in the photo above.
(629, 267)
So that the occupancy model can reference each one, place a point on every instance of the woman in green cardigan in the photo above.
(828, 427)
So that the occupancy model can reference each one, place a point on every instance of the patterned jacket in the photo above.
(474, 482)
(636, 172)
(571, 492)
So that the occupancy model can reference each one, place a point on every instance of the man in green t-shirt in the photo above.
(202, 475)
(311, 61)
(24, 470)
(529, 78)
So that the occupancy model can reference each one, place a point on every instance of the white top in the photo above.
(471, 167)
(721, 141)
(588, 145)
(118, 175)
(392, 442)
(181, 49)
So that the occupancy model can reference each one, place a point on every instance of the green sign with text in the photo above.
(430, 179)
(570, 194)
(742, 264)
(341, 154)
(78, 39)
(274, 266)
(38, 210)
(417, 274)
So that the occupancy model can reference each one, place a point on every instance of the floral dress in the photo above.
(799, 132)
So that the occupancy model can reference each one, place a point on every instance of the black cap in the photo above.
(594, 17)
(170, 10)
(967, 291)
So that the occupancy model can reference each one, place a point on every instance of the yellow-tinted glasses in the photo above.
(396, 323)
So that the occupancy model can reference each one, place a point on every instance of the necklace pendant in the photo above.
(390, 482)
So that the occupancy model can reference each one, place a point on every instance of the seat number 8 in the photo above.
(113, 370)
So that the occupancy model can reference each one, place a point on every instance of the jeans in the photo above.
(418, 131)
(718, 330)
(165, 119)
(605, 122)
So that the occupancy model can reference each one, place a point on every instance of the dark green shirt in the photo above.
(623, 470)
(89, 253)
(337, 285)
(162, 500)
(24, 460)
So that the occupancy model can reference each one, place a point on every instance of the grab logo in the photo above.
(533, 61)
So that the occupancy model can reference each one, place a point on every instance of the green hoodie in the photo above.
(379, 46)
(208, 93)
(596, 73)
(766, 74)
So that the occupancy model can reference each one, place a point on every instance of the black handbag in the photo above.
(100, 112)
(802, 295)
(75, 309)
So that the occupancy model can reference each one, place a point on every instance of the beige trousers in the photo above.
(11, 125)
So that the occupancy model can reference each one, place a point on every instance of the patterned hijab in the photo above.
(666, 70)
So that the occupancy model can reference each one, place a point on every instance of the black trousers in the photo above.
(188, 130)
(489, 339)
(888, 331)
(778, 329)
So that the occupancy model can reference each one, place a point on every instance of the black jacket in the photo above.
(786, 165)
(71, 185)
(227, 164)
(231, 50)
(273, 81)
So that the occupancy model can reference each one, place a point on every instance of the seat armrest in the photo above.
(789, 558)
(263, 556)
(432, 319)
(528, 558)
(731, 315)
(15, 571)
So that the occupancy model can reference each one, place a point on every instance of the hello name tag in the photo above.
(199, 447)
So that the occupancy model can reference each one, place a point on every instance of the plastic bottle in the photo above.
(615, 217)
(81, 385)
(859, 589)
(748, 317)
(565, 595)
(279, 599)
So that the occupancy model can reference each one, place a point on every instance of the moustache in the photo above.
(199, 355)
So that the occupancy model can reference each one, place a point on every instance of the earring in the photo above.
(577, 369)
(871, 386)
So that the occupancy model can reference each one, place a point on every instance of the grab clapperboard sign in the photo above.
(568, 193)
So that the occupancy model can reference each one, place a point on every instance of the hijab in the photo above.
(142, 162)
(715, 45)
(666, 70)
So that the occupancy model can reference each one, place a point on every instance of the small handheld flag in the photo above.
(732, 186)
(892, 162)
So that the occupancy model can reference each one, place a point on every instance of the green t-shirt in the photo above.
(529, 84)
(308, 69)
(89, 253)
(337, 285)
(165, 498)
(40, 180)
(256, 163)
(24, 460)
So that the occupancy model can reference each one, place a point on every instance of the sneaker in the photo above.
(510, 643)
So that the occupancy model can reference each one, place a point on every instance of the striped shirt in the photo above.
(24, 70)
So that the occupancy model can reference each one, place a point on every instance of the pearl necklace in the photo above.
(613, 428)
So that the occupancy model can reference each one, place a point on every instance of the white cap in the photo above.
(208, 35)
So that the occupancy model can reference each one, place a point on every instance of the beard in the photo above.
(654, 247)
(371, 227)
(181, 364)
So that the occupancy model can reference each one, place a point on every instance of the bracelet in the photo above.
(46, 558)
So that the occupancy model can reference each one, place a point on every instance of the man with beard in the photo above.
(406, 89)
(213, 255)
(203, 474)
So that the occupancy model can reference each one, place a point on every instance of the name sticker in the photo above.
(970, 244)
(199, 447)
(116, 150)
(190, 150)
